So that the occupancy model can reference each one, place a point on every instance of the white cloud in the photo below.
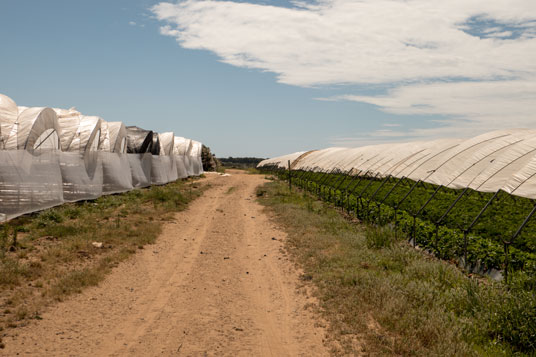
(132, 23)
(427, 49)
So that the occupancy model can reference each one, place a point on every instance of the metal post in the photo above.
(475, 220)
(375, 192)
(414, 231)
(506, 260)
(391, 190)
(452, 205)
(338, 184)
(380, 187)
(289, 176)
(507, 244)
(366, 187)
(438, 222)
(420, 210)
(324, 180)
(407, 194)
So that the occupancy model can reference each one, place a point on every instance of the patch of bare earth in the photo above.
(217, 282)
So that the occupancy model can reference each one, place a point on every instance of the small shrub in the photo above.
(379, 237)
(48, 217)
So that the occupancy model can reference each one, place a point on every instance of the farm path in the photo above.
(215, 283)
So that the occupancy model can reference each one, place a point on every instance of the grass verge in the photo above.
(47, 256)
(382, 297)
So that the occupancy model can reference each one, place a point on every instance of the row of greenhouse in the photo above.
(49, 156)
(502, 160)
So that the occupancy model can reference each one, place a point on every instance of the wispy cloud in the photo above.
(471, 61)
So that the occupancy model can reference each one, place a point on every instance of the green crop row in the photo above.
(387, 200)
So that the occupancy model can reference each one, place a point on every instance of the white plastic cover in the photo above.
(195, 157)
(499, 160)
(117, 133)
(166, 143)
(80, 133)
(179, 152)
(34, 129)
(9, 113)
(35, 173)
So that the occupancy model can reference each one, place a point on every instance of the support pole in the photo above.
(391, 190)
(289, 176)
(407, 194)
(475, 220)
(420, 210)
(438, 222)
(508, 243)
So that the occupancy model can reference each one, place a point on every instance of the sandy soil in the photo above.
(216, 283)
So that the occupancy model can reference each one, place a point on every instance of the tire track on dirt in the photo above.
(216, 283)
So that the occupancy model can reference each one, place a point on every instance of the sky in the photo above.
(266, 78)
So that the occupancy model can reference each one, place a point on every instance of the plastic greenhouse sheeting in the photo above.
(51, 156)
(9, 113)
(29, 182)
(117, 132)
(195, 157)
(499, 160)
(166, 143)
(179, 151)
(34, 129)
(188, 162)
(155, 147)
(139, 141)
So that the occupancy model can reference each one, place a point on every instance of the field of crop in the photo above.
(421, 306)
(471, 228)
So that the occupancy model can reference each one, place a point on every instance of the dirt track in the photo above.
(215, 283)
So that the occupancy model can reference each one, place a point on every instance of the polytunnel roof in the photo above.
(80, 132)
(155, 148)
(9, 113)
(166, 143)
(281, 161)
(498, 160)
(117, 132)
(139, 141)
(197, 148)
(29, 127)
(182, 146)
(179, 144)
(104, 144)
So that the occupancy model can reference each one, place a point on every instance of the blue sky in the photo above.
(257, 80)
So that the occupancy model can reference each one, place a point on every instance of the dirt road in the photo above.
(215, 283)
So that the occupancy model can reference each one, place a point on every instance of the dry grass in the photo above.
(50, 255)
(382, 297)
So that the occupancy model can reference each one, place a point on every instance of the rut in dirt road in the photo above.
(215, 283)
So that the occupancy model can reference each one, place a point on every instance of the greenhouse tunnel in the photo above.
(179, 150)
(51, 155)
(451, 196)
(80, 165)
